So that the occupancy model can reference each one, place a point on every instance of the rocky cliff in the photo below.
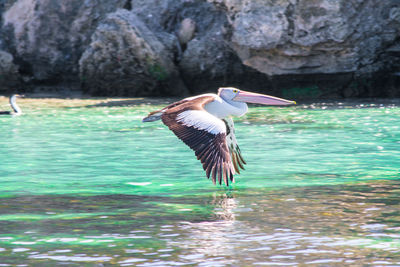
(291, 48)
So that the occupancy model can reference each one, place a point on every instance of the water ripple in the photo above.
(86, 183)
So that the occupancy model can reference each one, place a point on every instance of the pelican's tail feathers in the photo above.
(153, 116)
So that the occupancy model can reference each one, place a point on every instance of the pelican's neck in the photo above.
(239, 108)
(222, 108)
(13, 103)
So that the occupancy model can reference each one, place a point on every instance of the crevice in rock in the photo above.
(24, 68)
(289, 16)
(128, 5)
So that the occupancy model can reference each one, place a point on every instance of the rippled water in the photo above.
(85, 183)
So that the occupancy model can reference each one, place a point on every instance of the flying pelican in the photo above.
(15, 107)
(204, 123)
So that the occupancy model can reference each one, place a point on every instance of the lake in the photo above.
(85, 183)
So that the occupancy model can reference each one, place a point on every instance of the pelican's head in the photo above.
(231, 93)
(14, 96)
(228, 93)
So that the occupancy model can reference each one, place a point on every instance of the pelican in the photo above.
(13, 102)
(204, 123)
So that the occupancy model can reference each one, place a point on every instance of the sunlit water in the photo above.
(88, 184)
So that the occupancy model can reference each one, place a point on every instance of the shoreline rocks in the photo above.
(291, 48)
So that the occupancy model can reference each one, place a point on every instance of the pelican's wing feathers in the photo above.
(203, 133)
(234, 149)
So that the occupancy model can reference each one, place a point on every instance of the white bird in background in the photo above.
(204, 123)
(14, 106)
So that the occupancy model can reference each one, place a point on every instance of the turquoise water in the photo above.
(85, 183)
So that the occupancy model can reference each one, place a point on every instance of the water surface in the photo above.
(84, 182)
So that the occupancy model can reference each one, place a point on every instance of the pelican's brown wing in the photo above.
(206, 135)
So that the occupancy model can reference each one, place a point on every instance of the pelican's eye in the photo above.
(235, 91)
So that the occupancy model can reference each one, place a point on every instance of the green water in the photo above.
(89, 184)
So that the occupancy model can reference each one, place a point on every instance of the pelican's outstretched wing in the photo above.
(234, 149)
(203, 133)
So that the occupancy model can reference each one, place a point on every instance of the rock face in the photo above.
(126, 58)
(321, 36)
(47, 37)
(292, 48)
(9, 77)
(204, 58)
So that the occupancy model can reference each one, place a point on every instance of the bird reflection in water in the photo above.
(224, 206)
(211, 239)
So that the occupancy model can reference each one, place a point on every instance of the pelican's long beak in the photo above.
(255, 98)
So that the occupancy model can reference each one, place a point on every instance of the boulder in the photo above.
(305, 37)
(47, 37)
(126, 58)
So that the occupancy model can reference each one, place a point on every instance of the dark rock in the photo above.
(10, 79)
(47, 37)
(203, 56)
(126, 58)
(207, 60)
